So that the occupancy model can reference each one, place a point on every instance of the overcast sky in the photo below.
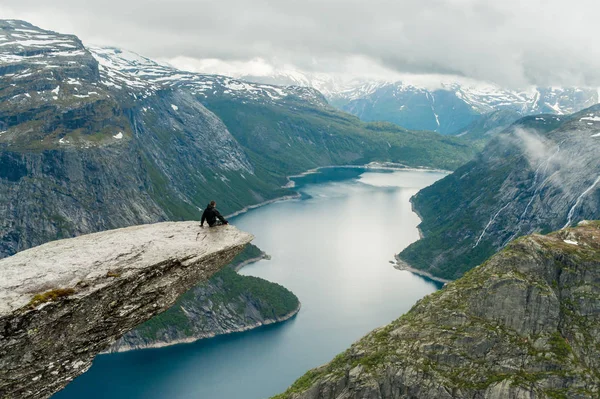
(510, 42)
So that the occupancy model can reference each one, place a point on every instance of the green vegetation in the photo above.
(250, 252)
(289, 139)
(174, 318)
(50, 296)
(301, 384)
(455, 210)
(226, 289)
(559, 345)
(497, 192)
(275, 300)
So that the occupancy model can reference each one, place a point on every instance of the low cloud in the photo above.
(512, 42)
(538, 151)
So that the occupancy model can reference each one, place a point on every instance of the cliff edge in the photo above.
(525, 324)
(65, 301)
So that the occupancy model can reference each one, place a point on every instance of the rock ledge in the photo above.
(65, 301)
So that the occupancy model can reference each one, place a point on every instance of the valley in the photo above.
(345, 292)
(463, 210)
(126, 140)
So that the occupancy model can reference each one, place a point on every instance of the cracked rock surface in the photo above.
(65, 301)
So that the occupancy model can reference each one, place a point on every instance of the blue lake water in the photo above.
(332, 248)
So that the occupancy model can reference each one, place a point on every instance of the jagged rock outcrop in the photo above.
(525, 324)
(64, 302)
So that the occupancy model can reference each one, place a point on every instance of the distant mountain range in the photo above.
(445, 105)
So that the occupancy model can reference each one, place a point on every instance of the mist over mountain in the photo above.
(540, 175)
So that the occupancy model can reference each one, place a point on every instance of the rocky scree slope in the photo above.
(228, 302)
(524, 324)
(96, 138)
(540, 175)
(65, 301)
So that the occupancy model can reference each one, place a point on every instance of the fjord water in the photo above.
(332, 248)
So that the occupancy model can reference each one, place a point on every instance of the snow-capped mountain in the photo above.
(44, 52)
(120, 68)
(443, 104)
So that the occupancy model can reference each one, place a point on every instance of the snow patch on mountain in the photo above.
(22, 43)
(122, 68)
(374, 98)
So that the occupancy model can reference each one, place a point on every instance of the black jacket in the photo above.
(211, 214)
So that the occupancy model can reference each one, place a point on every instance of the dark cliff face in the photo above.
(227, 303)
(524, 324)
(157, 166)
(79, 155)
(540, 175)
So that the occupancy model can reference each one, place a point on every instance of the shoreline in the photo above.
(414, 210)
(402, 265)
(372, 165)
(247, 262)
(260, 204)
(189, 340)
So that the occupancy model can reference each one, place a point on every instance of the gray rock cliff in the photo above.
(65, 301)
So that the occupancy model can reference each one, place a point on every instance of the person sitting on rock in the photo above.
(212, 216)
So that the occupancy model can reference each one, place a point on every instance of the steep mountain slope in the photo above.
(228, 302)
(444, 105)
(92, 139)
(540, 175)
(488, 125)
(525, 324)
